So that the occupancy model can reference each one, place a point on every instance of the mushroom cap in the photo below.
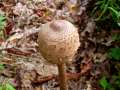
(58, 41)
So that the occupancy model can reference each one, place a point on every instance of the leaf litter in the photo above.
(26, 69)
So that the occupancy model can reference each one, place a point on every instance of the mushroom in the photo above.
(58, 42)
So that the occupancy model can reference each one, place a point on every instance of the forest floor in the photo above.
(24, 68)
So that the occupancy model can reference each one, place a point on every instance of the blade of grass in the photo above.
(104, 10)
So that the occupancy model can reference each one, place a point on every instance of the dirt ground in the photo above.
(26, 69)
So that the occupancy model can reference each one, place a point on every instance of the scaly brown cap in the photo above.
(58, 41)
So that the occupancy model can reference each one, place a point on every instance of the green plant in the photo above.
(107, 9)
(7, 86)
(115, 15)
(114, 53)
(116, 37)
(113, 85)
(2, 26)
(116, 80)
(104, 83)
(2, 66)
(2, 22)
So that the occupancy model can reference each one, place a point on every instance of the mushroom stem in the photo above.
(62, 76)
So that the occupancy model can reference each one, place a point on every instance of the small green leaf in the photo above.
(116, 37)
(114, 12)
(9, 87)
(2, 66)
(1, 88)
(114, 53)
(2, 22)
(104, 83)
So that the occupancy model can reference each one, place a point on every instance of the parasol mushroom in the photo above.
(58, 42)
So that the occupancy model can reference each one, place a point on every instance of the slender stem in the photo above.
(62, 76)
